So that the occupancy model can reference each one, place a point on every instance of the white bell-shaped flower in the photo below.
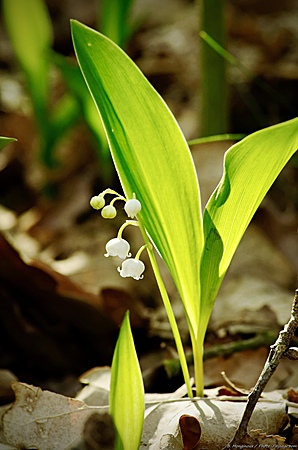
(118, 247)
(132, 207)
(97, 202)
(132, 268)
(109, 212)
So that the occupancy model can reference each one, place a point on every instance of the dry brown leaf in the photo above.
(263, 306)
(243, 367)
(6, 378)
(293, 441)
(116, 302)
(228, 391)
(231, 387)
(190, 430)
(48, 322)
(43, 420)
(292, 395)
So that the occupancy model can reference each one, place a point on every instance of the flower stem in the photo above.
(117, 198)
(142, 249)
(111, 191)
(198, 367)
(170, 314)
(124, 225)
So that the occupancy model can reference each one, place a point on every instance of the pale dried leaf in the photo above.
(97, 391)
(218, 419)
(270, 441)
(43, 420)
(99, 432)
(168, 441)
(3, 410)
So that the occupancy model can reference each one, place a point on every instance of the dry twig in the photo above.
(279, 349)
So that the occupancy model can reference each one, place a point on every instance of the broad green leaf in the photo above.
(250, 168)
(127, 403)
(5, 141)
(30, 31)
(151, 157)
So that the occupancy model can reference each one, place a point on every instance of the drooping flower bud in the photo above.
(118, 247)
(132, 268)
(132, 207)
(97, 202)
(109, 212)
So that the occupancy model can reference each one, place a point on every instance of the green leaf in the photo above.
(151, 157)
(30, 31)
(5, 141)
(127, 392)
(213, 96)
(114, 20)
(77, 86)
(250, 168)
(64, 116)
(216, 138)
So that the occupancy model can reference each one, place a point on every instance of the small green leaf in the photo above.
(151, 157)
(5, 141)
(250, 168)
(127, 391)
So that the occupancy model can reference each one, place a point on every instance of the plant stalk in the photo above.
(213, 88)
(169, 311)
(198, 353)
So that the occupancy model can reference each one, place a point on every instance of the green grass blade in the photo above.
(30, 31)
(5, 141)
(250, 168)
(114, 20)
(151, 156)
(127, 392)
(213, 85)
(77, 86)
(64, 116)
(216, 138)
(250, 75)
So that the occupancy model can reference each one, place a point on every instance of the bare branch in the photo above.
(279, 349)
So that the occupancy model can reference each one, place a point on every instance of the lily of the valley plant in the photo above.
(159, 180)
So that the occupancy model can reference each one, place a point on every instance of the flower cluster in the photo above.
(131, 267)
(132, 206)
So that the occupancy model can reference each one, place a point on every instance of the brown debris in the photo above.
(191, 431)
(50, 325)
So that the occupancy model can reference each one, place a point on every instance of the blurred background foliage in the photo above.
(210, 92)
(237, 78)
